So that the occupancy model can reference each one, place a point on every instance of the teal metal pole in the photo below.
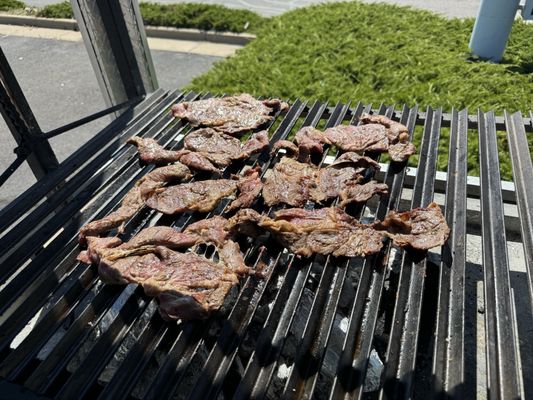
(492, 28)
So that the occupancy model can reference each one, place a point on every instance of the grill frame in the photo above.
(62, 287)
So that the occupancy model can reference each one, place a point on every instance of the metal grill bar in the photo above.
(523, 177)
(448, 361)
(403, 342)
(502, 361)
(358, 341)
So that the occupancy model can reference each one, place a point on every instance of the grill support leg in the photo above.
(23, 126)
(115, 39)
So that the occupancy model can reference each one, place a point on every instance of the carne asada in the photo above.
(136, 198)
(233, 115)
(293, 183)
(320, 231)
(377, 134)
(200, 196)
(420, 228)
(204, 149)
(250, 187)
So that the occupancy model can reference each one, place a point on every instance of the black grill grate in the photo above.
(64, 334)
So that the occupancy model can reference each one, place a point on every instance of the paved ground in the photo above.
(60, 85)
(451, 8)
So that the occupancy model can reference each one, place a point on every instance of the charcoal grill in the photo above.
(442, 325)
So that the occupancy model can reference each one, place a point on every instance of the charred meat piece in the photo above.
(361, 193)
(292, 182)
(310, 141)
(420, 228)
(211, 230)
(401, 151)
(135, 199)
(233, 115)
(330, 182)
(152, 152)
(221, 149)
(371, 138)
(200, 196)
(321, 231)
(204, 149)
(355, 160)
(197, 162)
(395, 131)
(290, 148)
(288, 183)
(250, 187)
(188, 286)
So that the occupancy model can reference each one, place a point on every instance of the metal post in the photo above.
(115, 39)
(492, 28)
(23, 126)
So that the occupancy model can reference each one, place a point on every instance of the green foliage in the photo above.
(379, 53)
(60, 10)
(8, 5)
(200, 16)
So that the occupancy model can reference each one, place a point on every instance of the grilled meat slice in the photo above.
(204, 149)
(233, 115)
(211, 230)
(290, 148)
(321, 231)
(135, 199)
(361, 193)
(200, 196)
(395, 131)
(420, 228)
(256, 144)
(152, 152)
(310, 141)
(221, 149)
(292, 182)
(250, 187)
(355, 160)
(188, 286)
(372, 138)
(288, 183)
(401, 151)
(329, 182)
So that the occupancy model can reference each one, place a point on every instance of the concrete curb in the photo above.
(151, 31)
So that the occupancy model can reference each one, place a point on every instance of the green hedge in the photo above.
(182, 15)
(60, 10)
(9, 5)
(200, 16)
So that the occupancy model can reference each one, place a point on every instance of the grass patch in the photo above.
(60, 10)
(200, 16)
(183, 15)
(355, 51)
(9, 5)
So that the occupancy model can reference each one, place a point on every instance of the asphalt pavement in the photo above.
(450, 8)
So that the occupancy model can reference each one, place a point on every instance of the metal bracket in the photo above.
(23, 126)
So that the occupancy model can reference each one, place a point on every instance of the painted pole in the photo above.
(492, 28)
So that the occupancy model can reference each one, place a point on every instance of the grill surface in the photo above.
(311, 327)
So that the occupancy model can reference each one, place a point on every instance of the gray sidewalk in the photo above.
(450, 8)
